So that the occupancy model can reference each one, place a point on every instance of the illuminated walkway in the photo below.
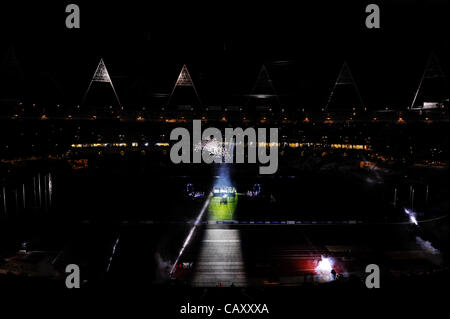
(220, 259)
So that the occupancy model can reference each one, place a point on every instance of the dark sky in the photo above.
(224, 43)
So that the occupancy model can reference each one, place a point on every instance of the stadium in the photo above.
(362, 178)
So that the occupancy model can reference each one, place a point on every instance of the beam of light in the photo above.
(221, 261)
(191, 232)
(224, 202)
(412, 216)
(324, 268)
(50, 188)
(113, 253)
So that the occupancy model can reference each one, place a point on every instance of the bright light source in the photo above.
(412, 216)
(324, 268)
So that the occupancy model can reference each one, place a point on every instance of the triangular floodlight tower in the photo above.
(184, 80)
(263, 81)
(101, 75)
(344, 78)
(432, 71)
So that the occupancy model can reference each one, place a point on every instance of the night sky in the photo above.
(224, 45)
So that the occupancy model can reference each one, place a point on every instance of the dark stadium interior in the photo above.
(86, 176)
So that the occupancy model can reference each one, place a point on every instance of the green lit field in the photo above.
(220, 210)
